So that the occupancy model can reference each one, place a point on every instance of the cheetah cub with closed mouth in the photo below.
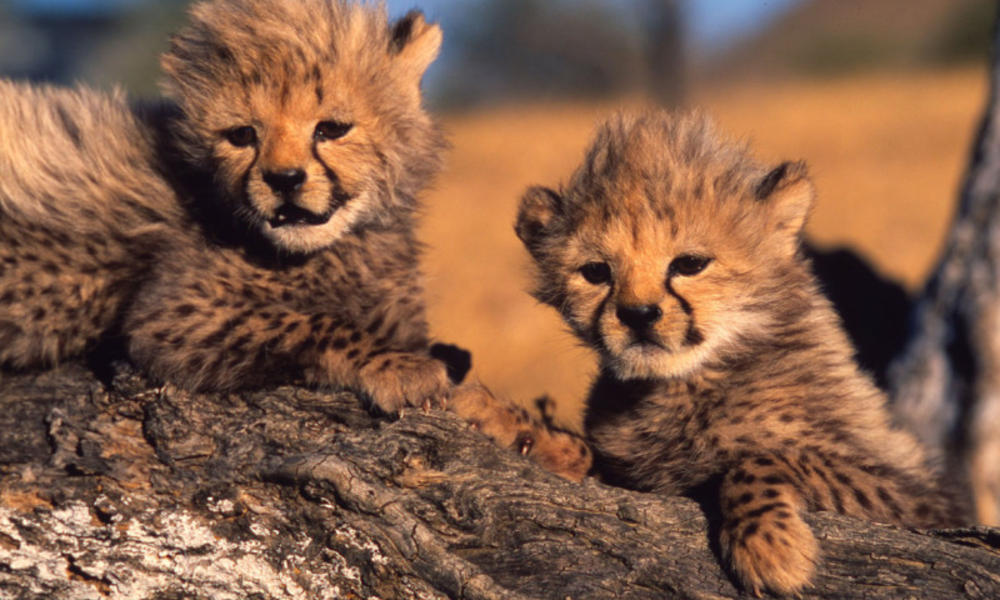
(677, 258)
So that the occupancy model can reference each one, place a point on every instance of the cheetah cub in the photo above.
(257, 230)
(259, 227)
(722, 367)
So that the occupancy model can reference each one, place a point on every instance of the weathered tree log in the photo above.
(946, 384)
(122, 490)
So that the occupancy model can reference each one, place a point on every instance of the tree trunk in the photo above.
(121, 490)
(665, 52)
(946, 385)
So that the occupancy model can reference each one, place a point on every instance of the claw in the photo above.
(525, 442)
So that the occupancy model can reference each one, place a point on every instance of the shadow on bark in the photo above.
(131, 491)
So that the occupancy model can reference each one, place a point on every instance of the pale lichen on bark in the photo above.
(126, 490)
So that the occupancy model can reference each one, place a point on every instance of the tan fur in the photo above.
(167, 226)
(555, 449)
(723, 369)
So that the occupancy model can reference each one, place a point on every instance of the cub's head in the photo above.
(669, 247)
(308, 113)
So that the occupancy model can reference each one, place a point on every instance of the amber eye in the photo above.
(688, 265)
(241, 137)
(332, 130)
(596, 272)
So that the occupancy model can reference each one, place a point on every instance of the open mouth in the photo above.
(289, 214)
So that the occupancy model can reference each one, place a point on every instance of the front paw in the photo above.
(510, 426)
(397, 380)
(776, 551)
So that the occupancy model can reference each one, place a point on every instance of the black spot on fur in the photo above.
(838, 501)
(757, 512)
(693, 336)
(458, 362)
(863, 499)
(767, 185)
(374, 325)
(70, 126)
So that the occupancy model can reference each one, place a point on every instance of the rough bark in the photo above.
(122, 490)
(946, 384)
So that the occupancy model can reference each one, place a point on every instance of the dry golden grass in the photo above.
(887, 153)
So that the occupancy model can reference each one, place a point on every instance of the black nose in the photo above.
(285, 182)
(639, 318)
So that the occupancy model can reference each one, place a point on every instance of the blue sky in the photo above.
(711, 22)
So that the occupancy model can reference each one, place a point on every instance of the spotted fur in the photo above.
(256, 227)
(723, 368)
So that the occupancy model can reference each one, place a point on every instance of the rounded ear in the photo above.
(788, 194)
(414, 43)
(540, 207)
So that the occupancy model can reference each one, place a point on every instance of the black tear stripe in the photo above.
(693, 336)
(685, 305)
(246, 174)
(339, 196)
(595, 328)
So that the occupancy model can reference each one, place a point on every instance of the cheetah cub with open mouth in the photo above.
(722, 366)
(257, 228)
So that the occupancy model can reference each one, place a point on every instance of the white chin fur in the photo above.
(650, 362)
(312, 238)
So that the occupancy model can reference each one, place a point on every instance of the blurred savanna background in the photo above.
(881, 98)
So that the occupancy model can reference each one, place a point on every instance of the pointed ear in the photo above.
(540, 208)
(415, 43)
(788, 193)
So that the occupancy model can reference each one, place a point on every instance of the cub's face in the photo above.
(304, 168)
(661, 260)
(309, 113)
